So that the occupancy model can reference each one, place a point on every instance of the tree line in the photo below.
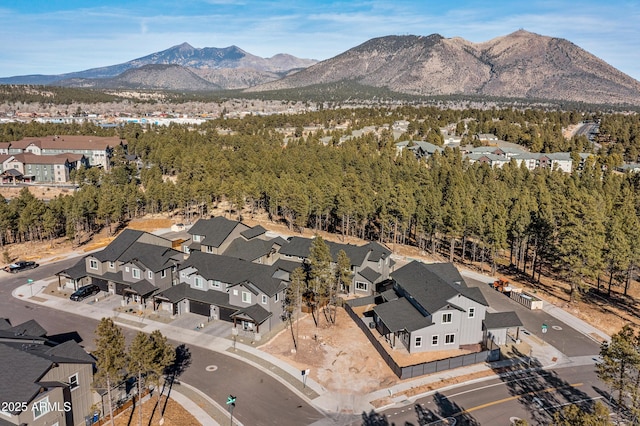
(580, 226)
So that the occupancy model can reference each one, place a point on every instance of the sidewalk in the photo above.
(211, 413)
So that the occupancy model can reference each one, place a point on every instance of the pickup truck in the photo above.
(20, 265)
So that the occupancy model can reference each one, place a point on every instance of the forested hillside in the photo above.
(579, 227)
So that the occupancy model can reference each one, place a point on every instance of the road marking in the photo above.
(511, 398)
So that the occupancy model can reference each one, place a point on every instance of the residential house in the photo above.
(493, 160)
(213, 235)
(430, 308)
(370, 263)
(135, 265)
(227, 288)
(43, 382)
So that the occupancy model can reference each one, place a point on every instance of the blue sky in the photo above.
(58, 36)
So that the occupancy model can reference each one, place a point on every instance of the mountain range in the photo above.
(519, 65)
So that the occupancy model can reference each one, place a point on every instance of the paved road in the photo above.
(261, 399)
(530, 395)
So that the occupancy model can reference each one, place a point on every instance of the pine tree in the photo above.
(320, 276)
(620, 359)
(293, 300)
(162, 356)
(140, 359)
(111, 358)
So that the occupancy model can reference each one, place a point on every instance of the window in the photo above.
(163, 273)
(196, 238)
(135, 272)
(361, 286)
(235, 291)
(246, 297)
(40, 408)
(447, 318)
(93, 264)
(126, 269)
(215, 284)
(434, 340)
(264, 299)
(276, 297)
(209, 249)
(73, 382)
(197, 282)
(112, 265)
(449, 339)
(472, 312)
(418, 342)
(150, 275)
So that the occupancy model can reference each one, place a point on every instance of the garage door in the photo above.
(120, 288)
(102, 284)
(199, 308)
(225, 314)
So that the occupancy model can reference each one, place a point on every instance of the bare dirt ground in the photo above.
(174, 415)
(326, 350)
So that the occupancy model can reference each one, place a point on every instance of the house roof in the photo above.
(400, 314)
(496, 320)
(301, 247)
(75, 272)
(153, 257)
(143, 287)
(28, 158)
(24, 363)
(249, 250)
(233, 271)
(253, 232)
(29, 328)
(183, 291)
(117, 247)
(434, 285)
(256, 313)
(369, 274)
(215, 230)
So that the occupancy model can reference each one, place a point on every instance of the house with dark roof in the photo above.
(430, 308)
(228, 288)
(42, 382)
(135, 265)
(370, 263)
(213, 235)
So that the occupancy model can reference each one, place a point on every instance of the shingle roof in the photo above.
(215, 230)
(29, 328)
(233, 271)
(370, 275)
(300, 247)
(496, 320)
(153, 257)
(400, 314)
(75, 272)
(143, 287)
(249, 250)
(433, 285)
(122, 242)
(183, 291)
(255, 312)
(253, 232)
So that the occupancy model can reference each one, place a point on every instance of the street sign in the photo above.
(544, 328)
(304, 373)
(231, 399)
(29, 281)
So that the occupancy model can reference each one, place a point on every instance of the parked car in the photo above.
(20, 265)
(84, 292)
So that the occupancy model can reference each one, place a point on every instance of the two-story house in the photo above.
(430, 308)
(214, 235)
(45, 383)
(135, 265)
(370, 263)
(227, 288)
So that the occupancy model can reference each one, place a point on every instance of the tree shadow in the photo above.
(374, 419)
(180, 364)
(542, 393)
(449, 409)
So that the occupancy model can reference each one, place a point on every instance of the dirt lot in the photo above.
(174, 415)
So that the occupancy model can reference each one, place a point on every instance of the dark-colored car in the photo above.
(21, 265)
(84, 292)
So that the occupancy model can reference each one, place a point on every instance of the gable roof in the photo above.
(369, 275)
(215, 230)
(254, 312)
(232, 271)
(117, 247)
(433, 285)
(497, 320)
(300, 247)
(183, 291)
(153, 257)
(252, 249)
(253, 232)
(400, 314)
